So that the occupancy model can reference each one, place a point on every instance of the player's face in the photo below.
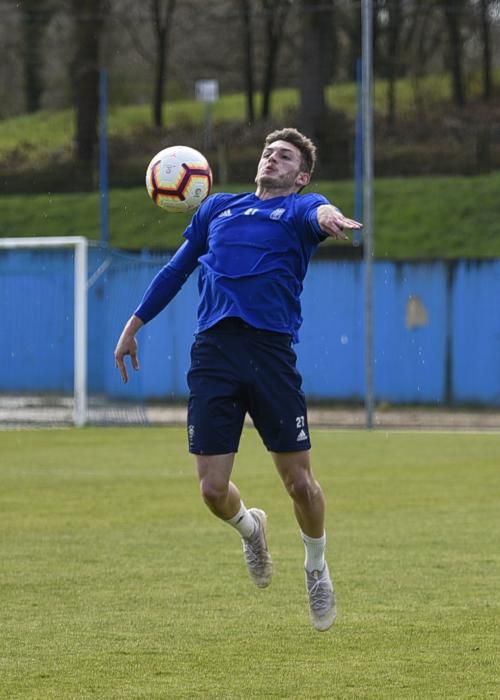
(280, 167)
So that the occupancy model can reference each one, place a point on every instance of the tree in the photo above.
(351, 20)
(453, 13)
(248, 62)
(315, 71)
(160, 19)
(35, 15)
(88, 18)
(424, 34)
(484, 8)
(162, 12)
(275, 17)
(394, 27)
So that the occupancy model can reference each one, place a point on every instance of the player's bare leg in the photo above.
(309, 506)
(308, 500)
(223, 498)
(217, 489)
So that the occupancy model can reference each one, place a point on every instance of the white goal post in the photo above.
(80, 246)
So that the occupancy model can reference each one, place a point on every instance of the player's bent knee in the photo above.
(213, 493)
(303, 488)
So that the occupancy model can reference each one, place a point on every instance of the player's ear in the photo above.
(303, 179)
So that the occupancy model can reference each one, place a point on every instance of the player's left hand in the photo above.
(334, 223)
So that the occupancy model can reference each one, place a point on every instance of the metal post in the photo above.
(103, 155)
(368, 229)
(81, 322)
(207, 132)
(357, 237)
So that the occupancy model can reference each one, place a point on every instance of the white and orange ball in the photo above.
(178, 179)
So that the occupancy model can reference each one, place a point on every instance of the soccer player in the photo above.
(253, 251)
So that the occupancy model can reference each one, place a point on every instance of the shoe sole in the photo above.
(324, 625)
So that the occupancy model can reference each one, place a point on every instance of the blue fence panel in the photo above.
(36, 305)
(125, 283)
(475, 319)
(163, 343)
(331, 349)
(436, 326)
(410, 332)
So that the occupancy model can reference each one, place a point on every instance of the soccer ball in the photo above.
(178, 179)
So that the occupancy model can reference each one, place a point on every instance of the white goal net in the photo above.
(25, 298)
(64, 301)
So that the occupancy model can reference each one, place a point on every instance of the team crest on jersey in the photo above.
(277, 214)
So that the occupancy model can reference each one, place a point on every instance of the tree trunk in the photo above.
(453, 13)
(276, 13)
(393, 41)
(423, 34)
(248, 63)
(355, 40)
(316, 37)
(162, 22)
(34, 20)
(486, 39)
(159, 91)
(88, 18)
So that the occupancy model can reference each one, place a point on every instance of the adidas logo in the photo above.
(301, 436)
(226, 212)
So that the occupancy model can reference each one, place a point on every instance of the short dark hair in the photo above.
(304, 144)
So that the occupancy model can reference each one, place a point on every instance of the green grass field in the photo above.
(117, 582)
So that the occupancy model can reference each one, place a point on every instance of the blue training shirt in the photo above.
(253, 256)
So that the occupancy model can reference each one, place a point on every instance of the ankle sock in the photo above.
(243, 521)
(315, 552)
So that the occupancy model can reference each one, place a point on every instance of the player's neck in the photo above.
(271, 192)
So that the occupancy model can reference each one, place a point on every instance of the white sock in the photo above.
(315, 552)
(243, 521)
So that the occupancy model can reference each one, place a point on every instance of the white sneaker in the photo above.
(257, 557)
(322, 602)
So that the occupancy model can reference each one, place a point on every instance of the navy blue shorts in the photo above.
(237, 369)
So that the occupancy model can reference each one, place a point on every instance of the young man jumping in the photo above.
(253, 251)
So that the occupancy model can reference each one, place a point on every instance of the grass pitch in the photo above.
(118, 583)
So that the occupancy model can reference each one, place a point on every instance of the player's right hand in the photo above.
(127, 345)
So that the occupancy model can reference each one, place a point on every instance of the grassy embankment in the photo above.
(414, 217)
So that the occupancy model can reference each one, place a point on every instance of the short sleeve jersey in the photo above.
(254, 258)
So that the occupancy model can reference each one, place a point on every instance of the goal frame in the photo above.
(80, 247)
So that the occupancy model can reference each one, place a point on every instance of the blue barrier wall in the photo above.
(36, 307)
(436, 340)
(475, 337)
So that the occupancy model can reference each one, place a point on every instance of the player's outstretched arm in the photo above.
(127, 345)
(334, 223)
